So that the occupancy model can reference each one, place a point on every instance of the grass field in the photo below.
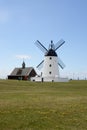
(43, 106)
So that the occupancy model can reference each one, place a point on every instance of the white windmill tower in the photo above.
(50, 69)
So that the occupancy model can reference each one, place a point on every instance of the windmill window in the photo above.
(50, 72)
(50, 65)
(50, 58)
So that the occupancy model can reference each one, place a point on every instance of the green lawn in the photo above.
(43, 106)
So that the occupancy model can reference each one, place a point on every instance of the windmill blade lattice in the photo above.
(41, 47)
(40, 65)
(60, 63)
(59, 44)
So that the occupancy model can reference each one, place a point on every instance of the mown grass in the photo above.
(43, 106)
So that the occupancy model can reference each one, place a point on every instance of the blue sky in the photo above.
(22, 22)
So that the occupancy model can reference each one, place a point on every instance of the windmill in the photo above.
(50, 64)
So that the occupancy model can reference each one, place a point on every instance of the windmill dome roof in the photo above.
(51, 52)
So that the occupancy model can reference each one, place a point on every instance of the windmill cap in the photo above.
(51, 52)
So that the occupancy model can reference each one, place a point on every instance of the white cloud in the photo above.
(23, 57)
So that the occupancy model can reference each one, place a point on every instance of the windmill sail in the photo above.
(60, 63)
(41, 47)
(40, 65)
(59, 44)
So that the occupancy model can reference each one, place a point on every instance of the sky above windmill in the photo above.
(22, 22)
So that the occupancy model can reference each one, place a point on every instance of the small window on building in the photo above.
(50, 58)
(50, 72)
(50, 65)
